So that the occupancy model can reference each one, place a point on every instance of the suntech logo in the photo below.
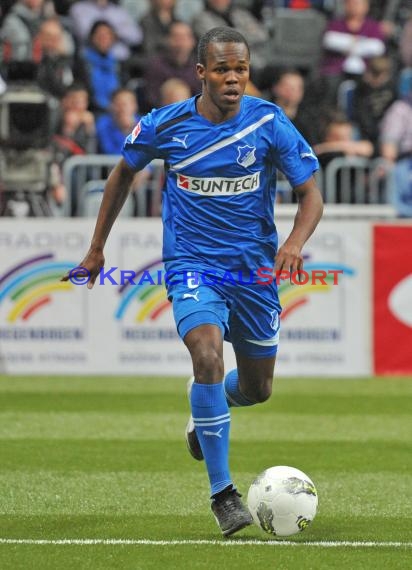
(293, 297)
(151, 300)
(30, 285)
(217, 186)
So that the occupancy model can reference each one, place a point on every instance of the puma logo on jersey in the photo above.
(307, 154)
(181, 141)
(193, 295)
(215, 433)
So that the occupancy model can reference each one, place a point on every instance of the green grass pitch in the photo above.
(88, 460)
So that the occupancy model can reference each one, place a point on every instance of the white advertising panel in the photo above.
(51, 327)
(326, 323)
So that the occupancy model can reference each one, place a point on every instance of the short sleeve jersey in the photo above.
(220, 185)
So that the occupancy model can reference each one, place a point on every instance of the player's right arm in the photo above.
(138, 150)
(114, 196)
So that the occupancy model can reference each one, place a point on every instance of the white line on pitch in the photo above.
(147, 542)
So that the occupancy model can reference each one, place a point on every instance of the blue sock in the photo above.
(212, 422)
(232, 392)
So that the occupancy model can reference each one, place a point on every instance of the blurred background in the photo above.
(75, 76)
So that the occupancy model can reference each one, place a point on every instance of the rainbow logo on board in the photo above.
(30, 285)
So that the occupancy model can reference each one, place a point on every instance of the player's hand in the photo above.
(88, 270)
(288, 261)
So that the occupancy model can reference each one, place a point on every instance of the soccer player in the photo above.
(221, 151)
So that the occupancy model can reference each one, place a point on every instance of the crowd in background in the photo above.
(107, 62)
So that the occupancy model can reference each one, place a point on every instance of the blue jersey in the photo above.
(219, 195)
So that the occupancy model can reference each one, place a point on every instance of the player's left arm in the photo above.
(310, 209)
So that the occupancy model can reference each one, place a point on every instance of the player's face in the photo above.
(224, 77)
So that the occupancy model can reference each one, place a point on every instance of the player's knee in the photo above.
(259, 392)
(207, 365)
(263, 393)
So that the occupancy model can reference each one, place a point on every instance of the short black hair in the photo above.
(218, 35)
(99, 23)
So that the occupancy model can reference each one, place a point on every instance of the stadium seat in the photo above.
(297, 38)
(345, 97)
(405, 83)
(85, 177)
(90, 198)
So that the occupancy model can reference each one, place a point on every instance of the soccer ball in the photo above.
(282, 501)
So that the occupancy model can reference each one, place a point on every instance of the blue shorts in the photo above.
(247, 314)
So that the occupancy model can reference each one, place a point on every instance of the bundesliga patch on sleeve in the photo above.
(136, 131)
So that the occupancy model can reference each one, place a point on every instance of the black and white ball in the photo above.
(282, 500)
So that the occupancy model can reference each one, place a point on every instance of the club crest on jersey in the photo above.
(136, 131)
(246, 155)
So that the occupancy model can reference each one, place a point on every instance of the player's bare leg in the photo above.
(255, 377)
(205, 345)
(211, 420)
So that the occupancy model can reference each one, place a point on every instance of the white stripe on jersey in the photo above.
(215, 418)
(215, 421)
(222, 143)
(268, 342)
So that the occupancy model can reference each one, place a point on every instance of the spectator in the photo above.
(224, 13)
(113, 127)
(372, 97)
(392, 14)
(19, 29)
(156, 25)
(62, 7)
(84, 13)
(4, 8)
(288, 91)
(348, 43)
(178, 62)
(396, 130)
(57, 68)
(102, 68)
(339, 140)
(76, 131)
(396, 147)
(405, 44)
(174, 90)
(75, 134)
(258, 8)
